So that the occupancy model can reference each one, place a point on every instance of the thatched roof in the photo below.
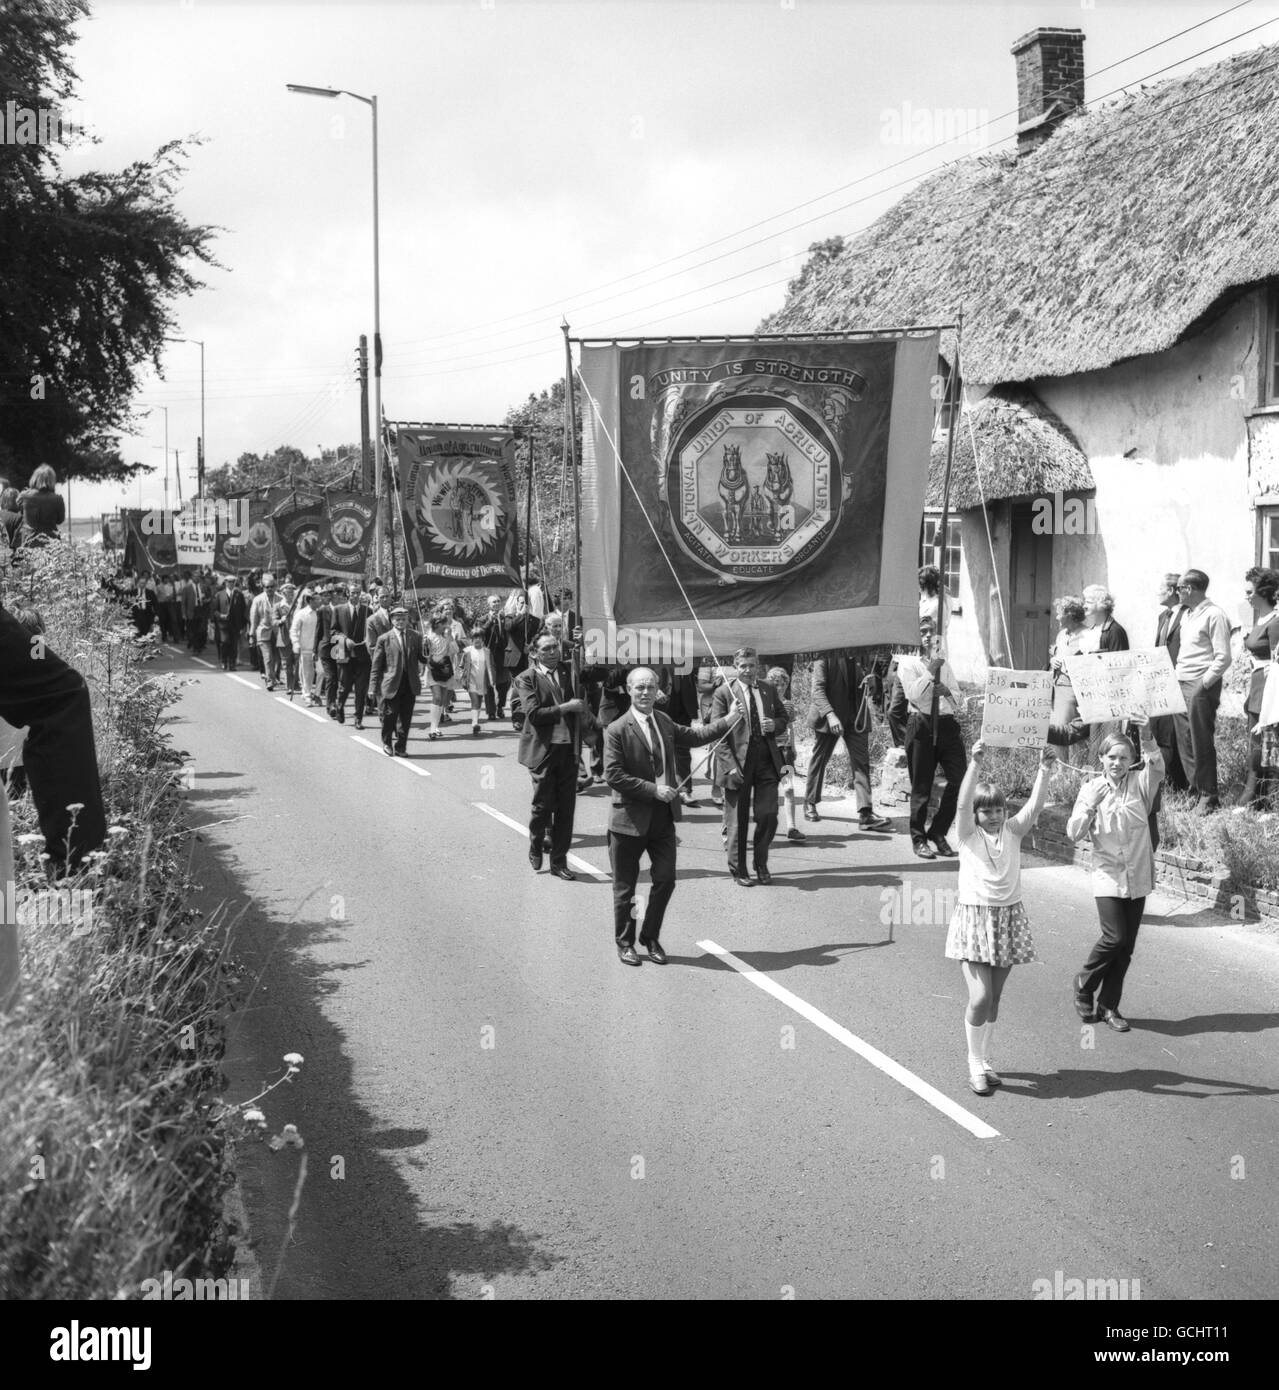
(1024, 450)
(1106, 242)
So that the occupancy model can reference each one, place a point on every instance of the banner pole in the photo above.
(952, 428)
(570, 445)
(528, 512)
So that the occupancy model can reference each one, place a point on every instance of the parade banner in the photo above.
(345, 535)
(1018, 708)
(195, 536)
(776, 487)
(297, 530)
(113, 532)
(1114, 685)
(250, 545)
(148, 542)
(457, 507)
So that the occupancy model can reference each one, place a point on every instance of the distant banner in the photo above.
(778, 485)
(250, 545)
(195, 536)
(458, 507)
(1114, 685)
(345, 535)
(113, 532)
(297, 530)
(1018, 708)
(148, 540)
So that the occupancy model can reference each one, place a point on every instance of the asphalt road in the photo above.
(495, 1107)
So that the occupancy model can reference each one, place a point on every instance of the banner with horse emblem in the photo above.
(345, 535)
(250, 545)
(457, 506)
(297, 531)
(775, 485)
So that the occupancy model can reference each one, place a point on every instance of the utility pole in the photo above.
(177, 469)
(366, 459)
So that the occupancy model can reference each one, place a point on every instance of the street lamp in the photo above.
(371, 103)
(199, 473)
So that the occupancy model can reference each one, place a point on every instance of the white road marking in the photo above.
(301, 709)
(403, 762)
(201, 661)
(253, 685)
(579, 864)
(921, 1088)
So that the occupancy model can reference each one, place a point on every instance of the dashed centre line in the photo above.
(579, 864)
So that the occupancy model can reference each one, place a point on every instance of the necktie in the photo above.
(748, 698)
(655, 747)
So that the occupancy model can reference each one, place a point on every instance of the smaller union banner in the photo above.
(249, 544)
(195, 535)
(297, 529)
(457, 507)
(345, 535)
(148, 543)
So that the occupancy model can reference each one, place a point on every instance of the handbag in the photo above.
(441, 670)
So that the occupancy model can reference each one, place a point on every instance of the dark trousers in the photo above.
(503, 690)
(354, 675)
(170, 624)
(397, 717)
(554, 801)
(289, 660)
(824, 744)
(624, 855)
(1163, 729)
(329, 667)
(1197, 737)
(1107, 963)
(923, 758)
(40, 690)
(231, 647)
(759, 778)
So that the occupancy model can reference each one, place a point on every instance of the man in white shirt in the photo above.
(1203, 658)
(536, 596)
(919, 676)
(302, 635)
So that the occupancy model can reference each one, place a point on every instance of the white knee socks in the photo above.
(976, 1045)
(987, 1030)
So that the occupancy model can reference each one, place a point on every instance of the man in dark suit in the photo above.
(397, 681)
(640, 765)
(550, 726)
(840, 708)
(324, 633)
(351, 620)
(678, 698)
(749, 764)
(1164, 726)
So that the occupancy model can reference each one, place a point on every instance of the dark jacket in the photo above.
(1113, 638)
(538, 703)
(837, 690)
(43, 511)
(731, 754)
(390, 667)
(629, 769)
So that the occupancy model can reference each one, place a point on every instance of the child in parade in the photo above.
(1113, 811)
(989, 930)
(479, 676)
(780, 681)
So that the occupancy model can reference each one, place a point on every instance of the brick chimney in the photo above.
(1050, 82)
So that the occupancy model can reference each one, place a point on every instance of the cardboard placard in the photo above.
(1018, 708)
(1115, 685)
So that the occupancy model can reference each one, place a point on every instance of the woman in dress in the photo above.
(1113, 812)
(1072, 640)
(443, 662)
(989, 930)
(1262, 644)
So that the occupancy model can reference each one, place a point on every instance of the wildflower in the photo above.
(75, 807)
(116, 830)
(29, 839)
(293, 1059)
(254, 1116)
(288, 1137)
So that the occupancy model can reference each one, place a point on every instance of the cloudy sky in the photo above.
(635, 166)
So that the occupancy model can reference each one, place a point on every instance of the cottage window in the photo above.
(1268, 537)
(929, 551)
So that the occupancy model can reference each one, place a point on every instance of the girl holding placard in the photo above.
(989, 931)
(1113, 811)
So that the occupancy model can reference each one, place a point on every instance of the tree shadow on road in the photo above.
(1076, 1084)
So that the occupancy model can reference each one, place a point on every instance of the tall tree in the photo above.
(551, 542)
(285, 467)
(89, 266)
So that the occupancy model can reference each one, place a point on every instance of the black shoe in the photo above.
(1084, 1004)
(547, 844)
(535, 858)
(563, 871)
(655, 952)
(581, 786)
(739, 876)
(942, 846)
(359, 726)
(810, 812)
(1112, 1018)
(341, 716)
(333, 714)
(874, 822)
(626, 954)
(388, 750)
(402, 752)
(923, 850)
(761, 873)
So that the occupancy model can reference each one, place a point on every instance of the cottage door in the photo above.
(1030, 600)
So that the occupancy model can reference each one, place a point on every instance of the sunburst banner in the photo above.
(775, 485)
(458, 506)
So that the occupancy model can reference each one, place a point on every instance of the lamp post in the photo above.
(371, 103)
(165, 408)
(200, 457)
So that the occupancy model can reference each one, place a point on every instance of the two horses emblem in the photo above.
(747, 513)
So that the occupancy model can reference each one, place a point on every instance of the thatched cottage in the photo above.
(1118, 275)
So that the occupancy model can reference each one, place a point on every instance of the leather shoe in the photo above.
(359, 725)
(739, 876)
(626, 954)
(388, 750)
(942, 846)
(535, 858)
(655, 952)
(1084, 1008)
(563, 871)
(1112, 1018)
(874, 822)
(810, 813)
(761, 873)
(923, 850)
